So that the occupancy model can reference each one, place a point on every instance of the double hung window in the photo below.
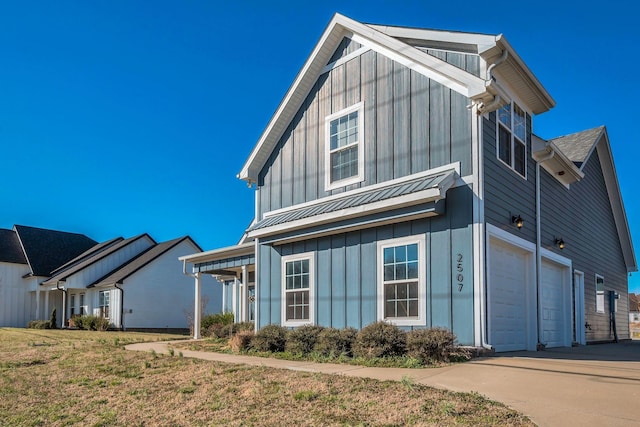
(344, 147)
(298, 289)
(512, 136)
(103, 303)
(401, 287)
(599, 294)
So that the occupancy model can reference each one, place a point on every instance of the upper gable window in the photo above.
(344, 154)
(512, 131)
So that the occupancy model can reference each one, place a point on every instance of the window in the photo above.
(599, 294)
(83, 308)
(402, 282)
(344, 154)
(512, 134)
(72, 305)
(103, 304)
(298, 289)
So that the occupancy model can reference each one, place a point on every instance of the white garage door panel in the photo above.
(553, 305)
(507, 298)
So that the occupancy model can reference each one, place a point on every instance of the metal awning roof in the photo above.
(418, 190)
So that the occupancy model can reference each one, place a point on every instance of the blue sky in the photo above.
(124, 117)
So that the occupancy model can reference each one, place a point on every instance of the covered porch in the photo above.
(234, 268)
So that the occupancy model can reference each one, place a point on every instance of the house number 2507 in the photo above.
(459, 272)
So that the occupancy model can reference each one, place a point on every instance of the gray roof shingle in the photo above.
(46, 250)
(577, 146)
(10, 249)
(121, 273)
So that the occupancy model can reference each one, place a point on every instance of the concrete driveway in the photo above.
(596, 385)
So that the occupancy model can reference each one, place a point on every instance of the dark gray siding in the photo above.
(582, 216)
(411, 124)
(346, 271)
(345, 47)
(465, 61)
(507, 193)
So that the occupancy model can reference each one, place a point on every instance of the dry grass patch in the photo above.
(87, 378)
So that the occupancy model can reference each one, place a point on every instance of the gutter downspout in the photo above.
(64, 304)
(121, 305)
(538, 239)
(196, 311)
(487, 82)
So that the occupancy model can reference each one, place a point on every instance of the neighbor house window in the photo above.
(298, 289)
(344, 154)
(83, 307)
(512, 134)
(599, 294)
(72, 305)
(103, 303)
(402, 281)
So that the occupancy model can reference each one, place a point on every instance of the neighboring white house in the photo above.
(136, 283)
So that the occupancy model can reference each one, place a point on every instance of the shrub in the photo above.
(91, 323)
(336, 342)
(270, 338)
(39, 324)
(302, 340)
(380, 339)
(241, 341)
(432, 345)
(216, 319)
(53, 321)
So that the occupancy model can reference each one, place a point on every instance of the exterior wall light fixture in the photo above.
(518, 221)
(560, 243)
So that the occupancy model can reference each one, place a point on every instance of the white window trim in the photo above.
(604, 302)
(328, 185)
(107, 293)
(312, 301)
(422, 280)
(513, 141)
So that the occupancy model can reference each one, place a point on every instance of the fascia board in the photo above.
(615, 198)
(216, 254)
(313, 66)
(453, 77)
(482, 42)
(517, 64)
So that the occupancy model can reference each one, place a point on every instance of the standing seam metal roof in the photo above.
(360, 199)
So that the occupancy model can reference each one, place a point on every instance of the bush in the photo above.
(39, 324)
(53, 321)
(336, 342)
(432, 345)
(380, 339)
(91, 323)
(302, 340)
(241, 341)
(270, 338)
(216, 319)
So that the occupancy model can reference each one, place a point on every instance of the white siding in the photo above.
(14, 302)
(159, 294)
(88, 275)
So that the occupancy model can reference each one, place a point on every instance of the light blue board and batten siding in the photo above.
(346, 272)
(582, 216)
(465, 61)
(411, 124)
(507, 193)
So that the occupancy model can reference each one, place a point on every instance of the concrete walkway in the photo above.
(596, 385)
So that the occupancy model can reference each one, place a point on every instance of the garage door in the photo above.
(555, 327)
(507, 297)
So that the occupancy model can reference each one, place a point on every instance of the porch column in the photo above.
(37, 302)
(64, 309)
(234, 299)
(46, 304)
(197, 315)
(224, 296)
(243, 294)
